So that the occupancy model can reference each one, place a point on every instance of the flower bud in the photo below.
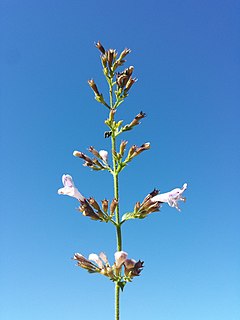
(142, 148)
(105, 205)
(123, 54)
(100, 47)
(85, 263)
(122, 79)
(129, 84)
(104, 63)
(111, 56)
(137, 119)
(113, 206)
(94, 203)
(94, 87)
(111, 114)
(93, 151)
(122, 147)
(137, 207)
(131, 151)
(87, 210)
(89, 162)
(151, 195)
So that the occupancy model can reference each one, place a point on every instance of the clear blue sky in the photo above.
(186, 58)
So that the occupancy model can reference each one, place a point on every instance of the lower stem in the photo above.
(117, 291)
(118, 226)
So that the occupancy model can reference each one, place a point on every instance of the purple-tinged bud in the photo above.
(154, 207)
(122, 147)
(85, 263)
(105, 205)
(87, 210)
(104, 62)
(137, 206)
(98, 164)
(132, 268)
(94, 203)
(129, 84)
(129, 71)
(131, 151)
(122, 79)
(113, 206)
(78, 154)
(100, 47)
(137, 119)
(142, 148)
(151, 195)
(93, 151)
(111, 114)
(123, 54)
(137, 268)
(111, 56)
(94, 87)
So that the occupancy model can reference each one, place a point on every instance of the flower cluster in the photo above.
(172, 197)
(153, 202)
(100, 264)
(96, 164)
(89, 207)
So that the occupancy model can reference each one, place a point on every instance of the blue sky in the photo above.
(186, 59)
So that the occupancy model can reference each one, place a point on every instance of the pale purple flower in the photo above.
(69, 188)
(104, 155)
(129, 263)
(120, 257)
(94, 257)
(171, 197)
(104, 258)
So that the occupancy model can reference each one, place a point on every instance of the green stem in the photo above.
(117, 291)
(116, 196)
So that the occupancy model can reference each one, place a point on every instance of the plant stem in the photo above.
(117, 291)
(117, 221)
(116, 196)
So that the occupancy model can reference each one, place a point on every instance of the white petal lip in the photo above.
(69, 189)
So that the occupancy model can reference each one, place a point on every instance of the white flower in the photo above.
(94, 257)
(120, 257)
(69, 188)
(104, 155)
(171, 197)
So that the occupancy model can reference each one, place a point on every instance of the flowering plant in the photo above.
(123, 270)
